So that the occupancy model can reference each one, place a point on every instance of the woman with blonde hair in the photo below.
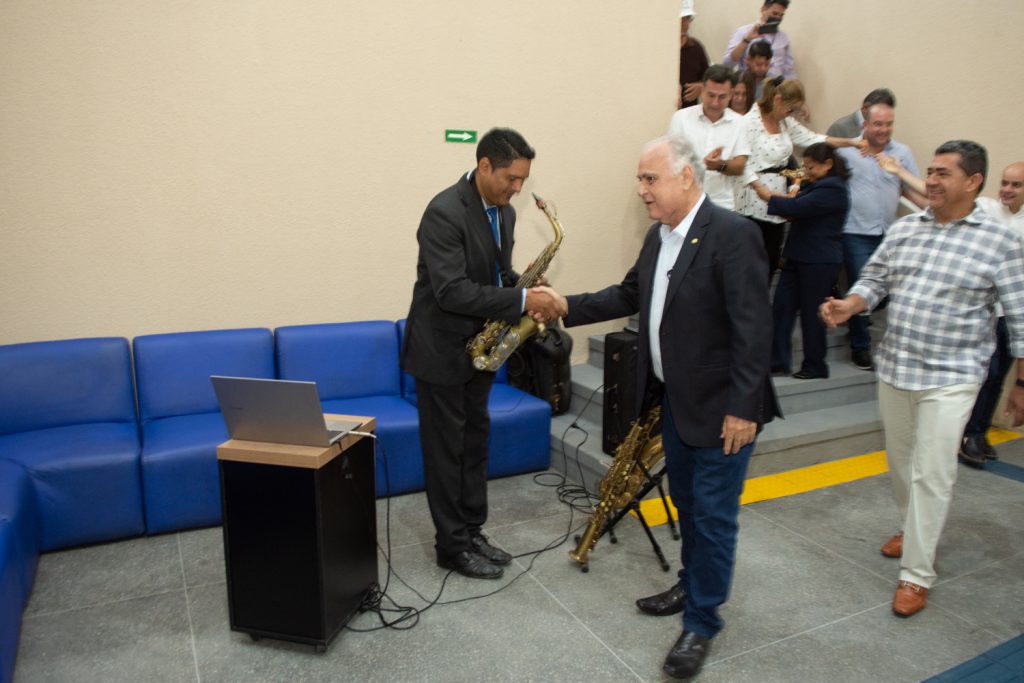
(772, 132)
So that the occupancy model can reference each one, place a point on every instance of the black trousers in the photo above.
(454, 429)
(801, 289)
(774, 234)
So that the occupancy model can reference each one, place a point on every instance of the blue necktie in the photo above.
(492, 213)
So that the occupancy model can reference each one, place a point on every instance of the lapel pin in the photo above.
(694, 240)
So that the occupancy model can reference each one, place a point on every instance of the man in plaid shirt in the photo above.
(943, 270)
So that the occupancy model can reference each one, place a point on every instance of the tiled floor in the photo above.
(810, 600)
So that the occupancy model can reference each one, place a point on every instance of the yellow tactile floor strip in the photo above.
(807, 479)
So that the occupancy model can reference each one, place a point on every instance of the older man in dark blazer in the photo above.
(464, 276)
(701, 289)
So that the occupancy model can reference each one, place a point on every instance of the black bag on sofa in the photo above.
(543, 368)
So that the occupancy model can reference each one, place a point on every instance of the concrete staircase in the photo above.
(825, 419)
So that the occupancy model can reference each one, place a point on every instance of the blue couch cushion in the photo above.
(86, 480)
(20, 509)
(520, 432)
(57, 383)
(181, 423)
(346, 360)
(180, 479)
(399, 435)
(173, 371)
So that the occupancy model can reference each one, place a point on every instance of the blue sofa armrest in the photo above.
(19, 508)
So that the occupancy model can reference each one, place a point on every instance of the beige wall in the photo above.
(186, 165)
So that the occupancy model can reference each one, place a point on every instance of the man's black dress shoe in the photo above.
(687, 655)
(663, 604)
(806, 374)
(470, 564)
(494, 555)
(987, 449)
(862, 359)
(970, 452)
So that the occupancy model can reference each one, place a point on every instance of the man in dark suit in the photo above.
(701, 290)
(464, 276)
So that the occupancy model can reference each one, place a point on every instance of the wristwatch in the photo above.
(722, 166)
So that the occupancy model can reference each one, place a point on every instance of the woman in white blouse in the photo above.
(772, 132)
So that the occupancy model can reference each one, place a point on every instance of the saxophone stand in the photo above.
(653, 481)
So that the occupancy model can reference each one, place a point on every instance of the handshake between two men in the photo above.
(544, 304)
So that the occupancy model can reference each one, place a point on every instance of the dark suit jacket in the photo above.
(817, 214)
(455, 291)
(846, 127)
(716, 329)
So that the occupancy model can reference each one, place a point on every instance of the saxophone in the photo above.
(496, 342)
(634, 458)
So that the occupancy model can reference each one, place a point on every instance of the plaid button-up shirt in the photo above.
(943, 282)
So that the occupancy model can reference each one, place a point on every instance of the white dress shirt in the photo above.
(671, 244)
(704, 136)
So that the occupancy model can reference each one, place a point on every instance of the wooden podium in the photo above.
(300, 534)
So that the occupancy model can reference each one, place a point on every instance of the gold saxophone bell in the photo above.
(495, 343)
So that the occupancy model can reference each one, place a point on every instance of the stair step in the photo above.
(803, 439)
(847, 384)
(837, 347)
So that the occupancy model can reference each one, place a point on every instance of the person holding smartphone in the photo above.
(765, 29)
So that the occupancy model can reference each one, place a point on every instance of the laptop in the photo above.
(276, 410)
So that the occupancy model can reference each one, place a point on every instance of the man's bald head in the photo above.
(1011, 187)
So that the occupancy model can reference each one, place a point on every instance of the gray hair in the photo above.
(680, 154)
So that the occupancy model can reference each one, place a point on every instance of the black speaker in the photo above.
(620, 388)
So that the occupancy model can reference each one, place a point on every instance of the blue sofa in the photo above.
(77, 466)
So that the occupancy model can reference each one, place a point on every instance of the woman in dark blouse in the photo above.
(817, 209)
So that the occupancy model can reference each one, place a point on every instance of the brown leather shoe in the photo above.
(894, 546)
(909, 599)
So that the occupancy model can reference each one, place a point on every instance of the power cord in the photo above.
(402, 617)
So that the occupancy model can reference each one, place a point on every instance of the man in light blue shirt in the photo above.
(874, 200)
(851, 125)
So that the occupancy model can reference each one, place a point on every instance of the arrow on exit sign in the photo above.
(451, 135)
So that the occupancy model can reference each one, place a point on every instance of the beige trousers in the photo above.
(922, 435)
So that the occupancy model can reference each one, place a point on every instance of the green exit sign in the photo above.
(453, 135)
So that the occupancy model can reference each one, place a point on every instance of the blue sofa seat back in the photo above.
(173, 370)
(59, 383)
(346, 360)
(409, 382)
(181, 423)
(355, 366)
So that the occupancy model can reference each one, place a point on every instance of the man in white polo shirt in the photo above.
(715, 133)
(1008, 210)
